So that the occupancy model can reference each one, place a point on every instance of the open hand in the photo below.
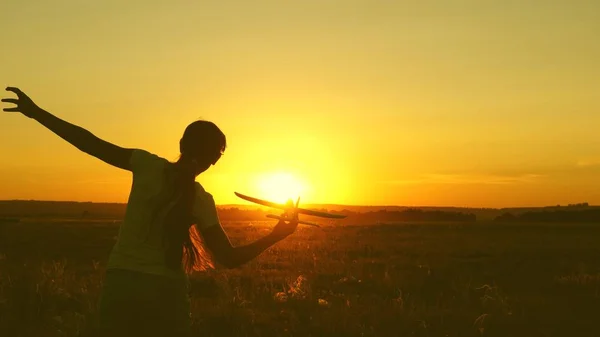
(23, 103)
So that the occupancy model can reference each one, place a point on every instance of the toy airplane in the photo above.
(290, 211)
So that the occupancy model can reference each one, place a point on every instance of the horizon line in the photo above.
(318, 204)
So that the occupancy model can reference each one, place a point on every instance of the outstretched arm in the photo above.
(77, 136)
(231, 257)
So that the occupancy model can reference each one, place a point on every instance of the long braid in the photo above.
(201, 141)
(178, 221)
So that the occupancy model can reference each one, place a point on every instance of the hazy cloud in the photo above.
(588, 162)
(488, 179)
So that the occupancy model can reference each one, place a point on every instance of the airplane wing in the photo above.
(284, 207)
(261, 202)
(319, 214)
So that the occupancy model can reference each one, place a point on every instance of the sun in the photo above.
(279, 187)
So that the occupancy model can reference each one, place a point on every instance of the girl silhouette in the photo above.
(169, 220)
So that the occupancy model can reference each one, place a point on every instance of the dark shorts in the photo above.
(139, 304)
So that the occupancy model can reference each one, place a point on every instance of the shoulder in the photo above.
(142, 160)
(200, 191)
(204, 200)
(205, 209)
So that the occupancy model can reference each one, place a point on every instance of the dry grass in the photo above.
(405, 280)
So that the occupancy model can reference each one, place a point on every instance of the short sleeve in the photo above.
(205, 209)
(142, 160)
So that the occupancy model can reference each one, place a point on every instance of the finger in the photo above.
(10, 100)
(15, 90)
(11, 109)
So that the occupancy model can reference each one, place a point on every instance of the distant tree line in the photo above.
(15, 209)
(412, 214)
(35, 208)
(562, 216)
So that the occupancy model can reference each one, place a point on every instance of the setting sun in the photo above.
(279, 187)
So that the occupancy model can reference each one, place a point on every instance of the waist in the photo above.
(142, 260)
(138, 277)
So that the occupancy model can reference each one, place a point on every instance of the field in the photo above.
(477, 279)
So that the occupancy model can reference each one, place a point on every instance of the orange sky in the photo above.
(356, 102)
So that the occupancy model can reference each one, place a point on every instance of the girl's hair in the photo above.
(201, 146)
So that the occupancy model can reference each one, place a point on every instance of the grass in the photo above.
(481, 279)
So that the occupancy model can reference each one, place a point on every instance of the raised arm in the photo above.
(77, 136)
(231, 257)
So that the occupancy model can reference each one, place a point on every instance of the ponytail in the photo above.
(183, 244)
(204, 142)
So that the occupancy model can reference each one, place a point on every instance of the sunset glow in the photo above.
(280, 187)
(444, 103)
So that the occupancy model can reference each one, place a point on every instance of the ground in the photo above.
(476, 279)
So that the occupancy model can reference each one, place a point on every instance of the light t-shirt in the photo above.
(139, 245)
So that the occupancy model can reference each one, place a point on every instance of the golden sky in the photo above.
(465, 103)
